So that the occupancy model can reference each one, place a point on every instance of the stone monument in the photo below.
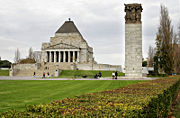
(133, 40)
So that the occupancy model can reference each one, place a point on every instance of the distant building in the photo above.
(67, 50)
(67, 47)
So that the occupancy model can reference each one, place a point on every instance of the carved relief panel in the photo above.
(133, 13)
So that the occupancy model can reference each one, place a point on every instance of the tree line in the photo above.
(165, 57)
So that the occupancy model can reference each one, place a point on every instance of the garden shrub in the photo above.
(27, 61)
(150, 99)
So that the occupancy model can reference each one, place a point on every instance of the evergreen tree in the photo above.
(176, 50)
(164, 42)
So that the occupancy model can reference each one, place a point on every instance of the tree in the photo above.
(156, 65)
(176, 50)
(151, 53)
(17, 56)
(31, 56)
(144, 64)
(164, 42)
(5, 64)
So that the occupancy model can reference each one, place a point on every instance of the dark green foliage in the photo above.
(144, 64)
(176, 108)
(5, 64)
(156, 65)
(145, 100)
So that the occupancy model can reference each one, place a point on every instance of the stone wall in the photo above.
(25, 66)
(99, 67)
(23, 69)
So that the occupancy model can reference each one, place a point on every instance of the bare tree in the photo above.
(31, 56)
(151, 53)
(17, 56)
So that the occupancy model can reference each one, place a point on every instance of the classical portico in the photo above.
(61, 56)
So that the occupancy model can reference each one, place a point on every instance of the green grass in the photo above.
(89, 73)
(4, 72)
(15, 94)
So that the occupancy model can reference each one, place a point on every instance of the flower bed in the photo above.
(148, 99)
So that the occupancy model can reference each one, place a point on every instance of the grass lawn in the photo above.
(4, 72)
(89, 73)
(15, 94)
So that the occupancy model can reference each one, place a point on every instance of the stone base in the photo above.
(133, 75)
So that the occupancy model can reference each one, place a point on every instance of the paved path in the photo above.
(40, 78)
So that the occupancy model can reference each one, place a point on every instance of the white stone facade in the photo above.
(133, 50)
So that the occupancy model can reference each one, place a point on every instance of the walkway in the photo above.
(40, 78)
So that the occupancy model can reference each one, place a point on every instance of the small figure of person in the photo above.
(113, 75)
(116, 74)
(43, 74)
(34, 74)
(48, 74)
(95, 76)
(99, 74)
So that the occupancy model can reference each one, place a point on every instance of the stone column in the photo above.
(54, 56)
(59, 56)
(64, 56)
(47, 57)
(133, 40)
(69, 56)
(77, 56)
(73, 56)
(50, 56)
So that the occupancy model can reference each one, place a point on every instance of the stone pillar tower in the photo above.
(133, 40)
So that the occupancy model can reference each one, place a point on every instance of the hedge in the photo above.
(150, 99)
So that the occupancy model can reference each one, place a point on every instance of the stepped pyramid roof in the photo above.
(68, 27)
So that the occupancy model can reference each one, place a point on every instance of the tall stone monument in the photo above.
(133, 40)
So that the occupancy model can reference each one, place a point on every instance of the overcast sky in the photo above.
(28, 23)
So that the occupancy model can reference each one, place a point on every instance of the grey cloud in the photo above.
(29, 23)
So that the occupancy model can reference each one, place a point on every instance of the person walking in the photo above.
(113, 75)
(116, 74)
(48, 74)
(99, 74)
(96, 76)
(34, 74)
(43, 74)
